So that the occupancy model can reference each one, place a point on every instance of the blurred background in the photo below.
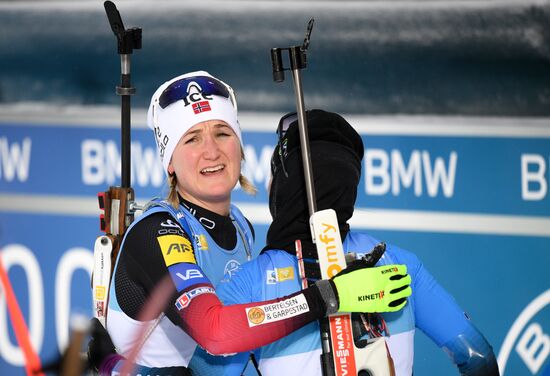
(452, 99)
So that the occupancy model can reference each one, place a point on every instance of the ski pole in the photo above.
(340, 355)
(298, 60)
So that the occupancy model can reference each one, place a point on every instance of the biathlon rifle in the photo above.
(117, 204)
(340, 353)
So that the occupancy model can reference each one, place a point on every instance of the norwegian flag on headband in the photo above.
(201, 107)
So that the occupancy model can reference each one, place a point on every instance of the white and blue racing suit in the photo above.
(168, 345)
(430, 308)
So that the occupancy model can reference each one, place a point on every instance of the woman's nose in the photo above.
(211, 147)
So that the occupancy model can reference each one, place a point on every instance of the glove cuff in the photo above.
(327, 289)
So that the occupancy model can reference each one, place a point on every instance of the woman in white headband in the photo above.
(196, 236)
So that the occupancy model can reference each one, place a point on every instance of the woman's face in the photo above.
(207, 164)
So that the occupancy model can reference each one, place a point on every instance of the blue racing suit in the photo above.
(430, 308)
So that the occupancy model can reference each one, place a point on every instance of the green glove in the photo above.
(379, 289)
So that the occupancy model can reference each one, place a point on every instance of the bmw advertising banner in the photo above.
(468, 195)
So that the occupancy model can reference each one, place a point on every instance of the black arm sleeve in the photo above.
(141, 266)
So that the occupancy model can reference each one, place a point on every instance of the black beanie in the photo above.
(336, 152)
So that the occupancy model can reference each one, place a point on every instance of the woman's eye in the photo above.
(224, 134)
(190, 140)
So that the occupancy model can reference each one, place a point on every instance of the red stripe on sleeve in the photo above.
(223, 329)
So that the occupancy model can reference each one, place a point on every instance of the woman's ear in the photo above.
(170, 169)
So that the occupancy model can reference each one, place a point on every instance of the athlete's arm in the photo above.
(441, 318)
(223, 329)
(235, 328)
(220, 329)
(157, 247)
(233, 289)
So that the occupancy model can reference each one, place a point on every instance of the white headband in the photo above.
(182, 112)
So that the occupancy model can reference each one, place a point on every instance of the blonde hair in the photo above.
(173, 198)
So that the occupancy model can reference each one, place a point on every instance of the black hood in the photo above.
(336, 153)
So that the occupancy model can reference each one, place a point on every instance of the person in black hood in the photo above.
(336, 151)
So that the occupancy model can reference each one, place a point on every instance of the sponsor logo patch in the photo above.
(285, 274)
(176, 249)
(231, 267)
(390, 270)
(100, 292)
(271, 277)
(162, 141)
(170, 227)
(281, 310)
(256, 315)
(186, 275)
(99, 308)
(377, 295)
(201, 242)
(342, 342)
(170, 223)
(279, 275)
(185, 299)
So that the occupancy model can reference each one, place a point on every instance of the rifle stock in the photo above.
(114, 221)
(117, 204)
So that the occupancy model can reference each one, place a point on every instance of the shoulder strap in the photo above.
(181, 214)
(243, 225)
